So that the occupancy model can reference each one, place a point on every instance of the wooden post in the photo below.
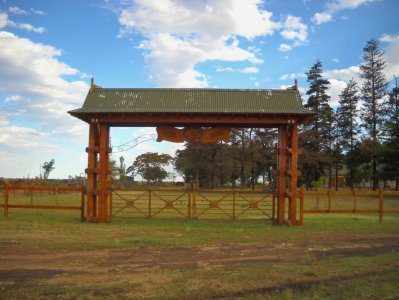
(91, 171)
(354, 201)
(6, 196)
(293, 173)
(193, 200)
(381, 210)
(274, 205)
(31, 195)
(301, 206)
(234, 204)
(82, 204)
(103, 172)
(189, 204)
(282, 165)
(149, 203)
(111, 186)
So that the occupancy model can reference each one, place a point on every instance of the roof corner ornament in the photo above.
(296, 85)
(92, 84)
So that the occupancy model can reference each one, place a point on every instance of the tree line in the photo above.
(358, 138)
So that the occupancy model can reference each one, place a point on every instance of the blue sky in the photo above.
(50, 49)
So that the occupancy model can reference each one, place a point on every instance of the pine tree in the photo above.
(315, 140)
(373, 92)
(390, 150)
(347, 114)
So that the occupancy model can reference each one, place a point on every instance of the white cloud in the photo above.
(338, 5)
(13, 98)
(33, 81)
(294, 29)
(335, 60)
(335, 89)
(29, 27)
(37, 12)
(284, 48)
(16, 10)
(292, 76)
(203, 32)
(320, 18)
(334, 6)
(226, 69)
(346, 74)
(391, 54)
(3, 19)
(250, 70)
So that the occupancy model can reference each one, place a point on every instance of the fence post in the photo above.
(193, 200)
(354, 203)
(329, 200)
(301, 206)
(111, 188)
(149, 203)
(234, 204)
(381, 210)
(31, 195)
(6, 195)
(82, 204)
(274, 206)
(189, 206)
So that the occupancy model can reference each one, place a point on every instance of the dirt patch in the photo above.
(133, 259)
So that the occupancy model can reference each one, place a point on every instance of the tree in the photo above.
(150, 166)
(390, 149)
(208, 165)
(315, 139)
(113, 168)
(48, 167)
(348, 129)
(318, 102)
(373, 92)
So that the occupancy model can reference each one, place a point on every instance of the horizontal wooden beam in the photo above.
(193, 119)
(44, 189)
(44, 207)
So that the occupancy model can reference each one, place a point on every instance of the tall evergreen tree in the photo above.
(390, 151)
(315, 139)
(348, 128)
(318, 100)
(373, 92)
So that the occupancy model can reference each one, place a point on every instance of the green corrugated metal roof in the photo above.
(104, 100)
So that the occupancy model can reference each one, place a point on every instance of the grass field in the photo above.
(51, 254)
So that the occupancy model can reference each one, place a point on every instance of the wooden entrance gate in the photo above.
(192, 204)
(206, 116)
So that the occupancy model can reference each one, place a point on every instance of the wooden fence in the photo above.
(378, 198)
(30, 190)
(227, 204)
(192, 203)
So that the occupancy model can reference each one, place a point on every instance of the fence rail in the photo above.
(378, 200)
(31, 189)
(205, 203)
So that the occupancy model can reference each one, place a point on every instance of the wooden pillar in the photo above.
(91, 171)
(281, 172)
(293, 173)
(103, 172)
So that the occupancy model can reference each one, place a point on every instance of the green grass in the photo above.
(373, 276)
(46, 226)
